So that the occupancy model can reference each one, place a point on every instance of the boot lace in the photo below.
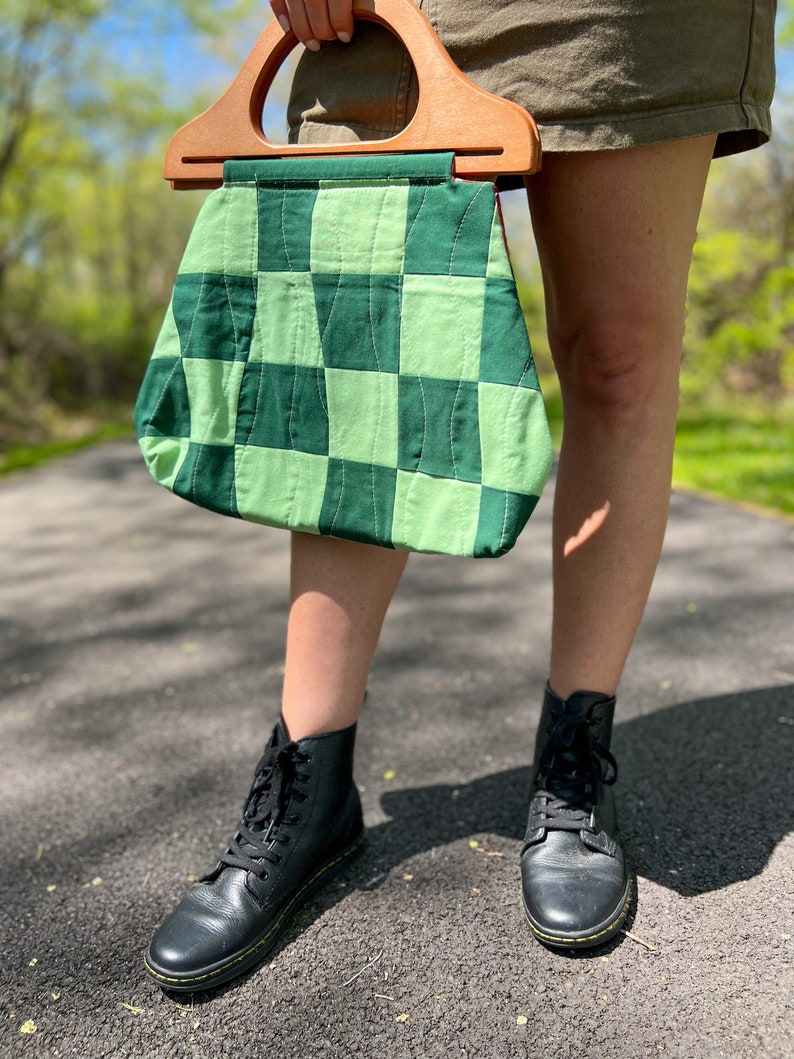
(261, 831)
(572, 768)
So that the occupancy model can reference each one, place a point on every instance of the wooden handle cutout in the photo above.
(488, 134)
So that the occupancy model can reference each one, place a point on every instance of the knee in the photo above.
(616, 362)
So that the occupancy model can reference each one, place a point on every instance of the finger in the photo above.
(302, 26)
(279, 9)
(319, 19)
(340, 14)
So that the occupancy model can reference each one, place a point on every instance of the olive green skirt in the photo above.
(595, 74)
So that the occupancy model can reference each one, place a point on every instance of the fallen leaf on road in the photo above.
(133, 1009)
(28, 1027)
(402, 1018)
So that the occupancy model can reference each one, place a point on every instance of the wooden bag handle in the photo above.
(488, 134)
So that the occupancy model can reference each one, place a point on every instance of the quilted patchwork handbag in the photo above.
(344, 352)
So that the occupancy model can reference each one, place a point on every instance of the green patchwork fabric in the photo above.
(345, 354)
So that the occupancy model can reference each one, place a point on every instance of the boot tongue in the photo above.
(280, 735)
(594, 707)
(582, 702)
(569, 772)
(264, 809)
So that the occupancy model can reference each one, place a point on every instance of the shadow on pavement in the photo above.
(705, 796)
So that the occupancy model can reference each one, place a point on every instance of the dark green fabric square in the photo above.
(285, 227)
(439, 428)
(359, 502)
(163, 406)
(283, 406)
(359, 320)
(207, 478)
(448, 229)
(505, 354)
(502, 517)
(214, 315)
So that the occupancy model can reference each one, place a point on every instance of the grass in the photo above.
(735, 451)
(738, 451)
(21, 457)
(732, 450)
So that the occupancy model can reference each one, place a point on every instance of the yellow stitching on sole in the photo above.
(212, 974)
(590, 937)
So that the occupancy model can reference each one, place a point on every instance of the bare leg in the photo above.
(615, 231)
(340, 591)
(302, 819)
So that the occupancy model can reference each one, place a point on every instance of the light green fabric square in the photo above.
(168, 344)
(362, 416)
(435, 514)
(224, 238)
(359, 228)
(285, 325)
(517, 413)
(164, 457)
(288, 485)
(441, 326)
(498, 258)
(213, 388)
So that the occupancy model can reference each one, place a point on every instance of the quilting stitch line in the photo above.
(416, 215)
(215, 412)
(378, 221)
(331, 424)
(462, 222)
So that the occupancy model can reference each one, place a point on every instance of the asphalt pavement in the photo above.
(141, 645)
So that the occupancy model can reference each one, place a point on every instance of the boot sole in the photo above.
(598, 935)
(239, 963)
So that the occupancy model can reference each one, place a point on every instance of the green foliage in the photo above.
(785, 24)
(90, 238)
(740, 331)
(90, 235)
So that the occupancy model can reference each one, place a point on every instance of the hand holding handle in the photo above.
(488, 134)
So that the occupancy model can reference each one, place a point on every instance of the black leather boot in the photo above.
(576, 886)
(301, 822)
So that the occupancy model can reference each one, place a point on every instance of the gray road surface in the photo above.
(141, 662)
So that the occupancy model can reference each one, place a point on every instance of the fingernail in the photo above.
(312, 45)
(283, 21)
(344, 37)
